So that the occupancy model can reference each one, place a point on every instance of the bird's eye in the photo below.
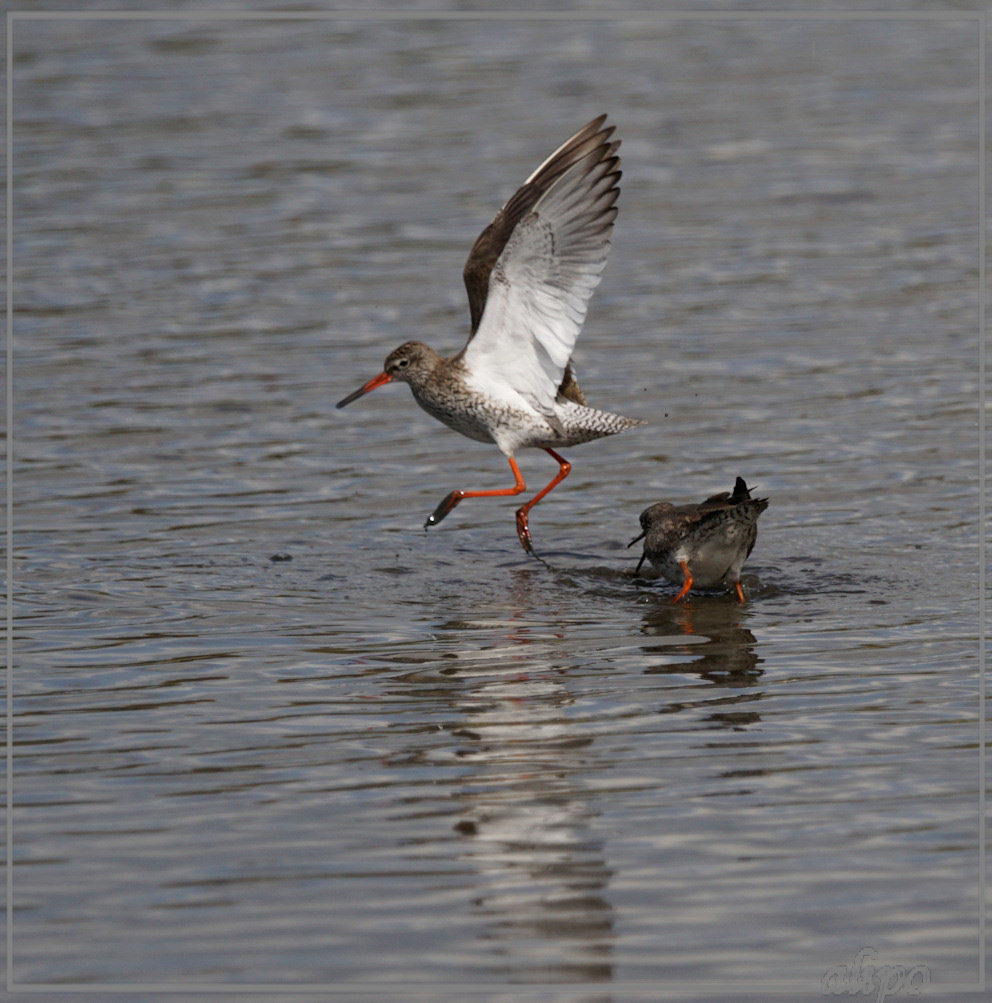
(402, 363)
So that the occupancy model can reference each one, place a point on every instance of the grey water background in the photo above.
(269, 731)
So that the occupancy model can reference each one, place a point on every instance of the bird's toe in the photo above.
(447, 504)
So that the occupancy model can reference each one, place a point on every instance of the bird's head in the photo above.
(409, 363)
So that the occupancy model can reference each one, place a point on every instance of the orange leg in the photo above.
(451, 500)
(740, 593)
(523, 530)
(687, 583)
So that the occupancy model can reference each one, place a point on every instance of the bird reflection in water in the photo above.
(706, 639)
(541, 876)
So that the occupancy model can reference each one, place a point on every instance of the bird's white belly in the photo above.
(484, 419)
(710, 563)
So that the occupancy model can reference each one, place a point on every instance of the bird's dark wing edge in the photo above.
(490, 243)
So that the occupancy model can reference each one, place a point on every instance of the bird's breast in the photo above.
(457, 408)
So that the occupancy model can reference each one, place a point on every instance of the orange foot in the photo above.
(523, 530)
(740, 593)
(687, 583)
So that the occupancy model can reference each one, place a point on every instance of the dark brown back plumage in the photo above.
(666, 525)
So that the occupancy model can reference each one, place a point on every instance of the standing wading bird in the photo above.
(529, 278)
(705, 544)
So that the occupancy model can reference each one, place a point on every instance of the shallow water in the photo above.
(269, 731)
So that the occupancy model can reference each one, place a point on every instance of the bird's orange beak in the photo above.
(376, 381)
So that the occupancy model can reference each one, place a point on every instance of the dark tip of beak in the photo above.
(636, 538)
(376, 381)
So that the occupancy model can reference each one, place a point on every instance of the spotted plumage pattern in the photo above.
(703, 544)
(529, 278)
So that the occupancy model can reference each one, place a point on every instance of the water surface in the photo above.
(269, 731)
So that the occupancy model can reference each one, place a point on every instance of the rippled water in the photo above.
(269, 731)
